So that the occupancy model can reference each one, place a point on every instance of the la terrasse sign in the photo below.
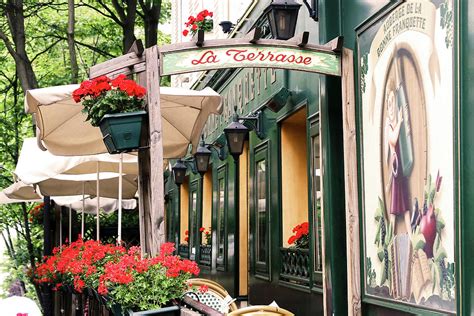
(249, 56)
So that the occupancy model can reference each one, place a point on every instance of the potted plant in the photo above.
(206, 248)
(300, 239)
(202, 21)
(116, 106)
(126, 282)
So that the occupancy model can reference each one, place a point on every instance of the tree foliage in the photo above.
(46, 43)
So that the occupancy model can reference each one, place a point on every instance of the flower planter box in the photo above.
(206, 254)
(164, 311)
(122, 131)
(295, 266)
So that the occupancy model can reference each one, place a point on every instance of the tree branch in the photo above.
(8, 44)
(45, 50)
(111, 15)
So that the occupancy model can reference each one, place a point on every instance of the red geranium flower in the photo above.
(202, 21)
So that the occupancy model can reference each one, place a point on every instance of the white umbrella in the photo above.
(88, 205)
(35, 165)
(184, 114)
(20, 192)
(107, 205)
(15, 305)
(64, 175)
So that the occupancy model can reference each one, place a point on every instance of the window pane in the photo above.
(221, 220)
(261, 213)
(316, 195)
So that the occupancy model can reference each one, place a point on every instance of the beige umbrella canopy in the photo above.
(89, 205)
(19, 192)
(78, 185)
(35, 165)
(63, 130)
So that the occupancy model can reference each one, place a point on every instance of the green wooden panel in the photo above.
(466, 114)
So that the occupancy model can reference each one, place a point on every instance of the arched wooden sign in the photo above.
(254, 53)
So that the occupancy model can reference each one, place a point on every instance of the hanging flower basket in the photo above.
(116, 105)
(122, 131)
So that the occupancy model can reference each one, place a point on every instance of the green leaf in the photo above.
(383, 273)
(440, 254)
(377, 235)
(418, 241)
(439, 224)
(437, 242)
(379, 212)
(380, 254)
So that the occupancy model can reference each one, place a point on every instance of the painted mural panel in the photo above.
(407, 132)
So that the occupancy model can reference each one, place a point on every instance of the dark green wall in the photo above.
(466, 113)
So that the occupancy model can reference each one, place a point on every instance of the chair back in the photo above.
(261, 310)
(216, 296)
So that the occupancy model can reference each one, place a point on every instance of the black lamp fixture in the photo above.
(179, 172)
(282, 16)
(312, 9)
(236, 132)
(201, 157)
(227, 26)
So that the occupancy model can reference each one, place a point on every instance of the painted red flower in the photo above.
(185, 32)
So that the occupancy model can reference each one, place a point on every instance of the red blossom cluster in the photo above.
(124, 270)
(301, 236)
(36, 212)
(202, 21)
(207, 234)
(186, 239)
(99, 86)
(103, 266)
(79, 264)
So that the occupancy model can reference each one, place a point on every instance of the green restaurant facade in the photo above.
(406, 247)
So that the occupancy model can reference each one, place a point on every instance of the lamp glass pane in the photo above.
(235, 141)
(202, 162)
(179, 175)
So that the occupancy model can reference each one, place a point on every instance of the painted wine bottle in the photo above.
(405, 136)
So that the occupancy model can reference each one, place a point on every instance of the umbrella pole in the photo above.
(98, 201)
(70, 223)
(83, 208)
(60, 227)
(119, 233)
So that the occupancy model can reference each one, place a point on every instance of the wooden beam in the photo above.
(137, 48)
(335, 45)
(112, 65)
(350, 182)
(254, 35)
(144, 202)
(156, 236)
(135, 69)
(301, 39)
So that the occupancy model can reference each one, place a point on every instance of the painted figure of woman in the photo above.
(400, 204)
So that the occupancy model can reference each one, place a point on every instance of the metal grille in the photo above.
(295, 266)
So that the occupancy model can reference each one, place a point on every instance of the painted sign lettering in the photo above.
(201, 59)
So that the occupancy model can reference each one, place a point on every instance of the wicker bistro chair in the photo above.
(261, 310)
(216, 297)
